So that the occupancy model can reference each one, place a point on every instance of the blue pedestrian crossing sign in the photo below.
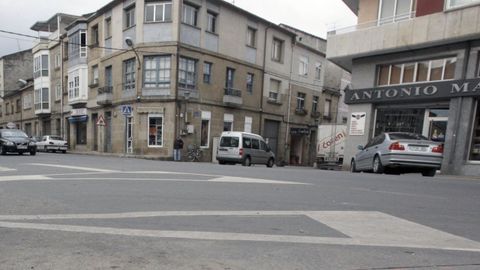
(127, 110)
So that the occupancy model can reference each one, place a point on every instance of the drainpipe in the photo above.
(177, 64)
(62, 132)
(263, 78)
(289, 100)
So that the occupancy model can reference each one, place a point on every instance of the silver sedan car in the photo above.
(399, 152)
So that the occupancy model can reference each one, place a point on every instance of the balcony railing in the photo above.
(105, 96)
(232, 97)
(372, 24)
(233, 92)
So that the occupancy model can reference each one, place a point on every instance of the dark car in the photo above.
(16, 141)
(399, 152)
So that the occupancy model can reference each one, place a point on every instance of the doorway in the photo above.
(129, 134)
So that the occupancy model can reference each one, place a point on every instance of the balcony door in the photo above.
(391, 11)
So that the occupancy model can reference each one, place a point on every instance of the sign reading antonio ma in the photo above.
(424, 91)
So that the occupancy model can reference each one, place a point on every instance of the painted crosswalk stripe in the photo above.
(4, 169)
(374, 229)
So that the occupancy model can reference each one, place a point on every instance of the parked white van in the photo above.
(245, 148)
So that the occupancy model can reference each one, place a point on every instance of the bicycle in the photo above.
(194, 153)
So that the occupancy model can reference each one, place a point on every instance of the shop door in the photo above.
(95, 131)
(108, 132)
(271, 134)
(129, 134)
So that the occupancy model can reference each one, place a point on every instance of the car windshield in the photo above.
(406, 136)
(58, 138)
(229, 142)
(14, 134)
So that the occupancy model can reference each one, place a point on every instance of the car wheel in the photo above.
(377, 165)
(353, 167)
(33, 153)
(64, 151)
(20, 153)
(4, 151)
(247, 162)
(270, 163)
(429, 172)
(221, 162)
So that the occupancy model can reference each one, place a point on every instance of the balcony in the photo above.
(301, 111)
(104, 95)
(402, 33)
(42, 109)
(315, 114)
(232, 97)
(274, 98)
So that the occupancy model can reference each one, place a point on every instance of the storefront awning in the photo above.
(77, 119)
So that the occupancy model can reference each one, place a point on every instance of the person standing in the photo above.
(177, 149)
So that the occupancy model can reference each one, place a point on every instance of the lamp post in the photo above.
(129, 128)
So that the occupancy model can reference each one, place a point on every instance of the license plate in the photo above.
(418, 148)
(21, 147)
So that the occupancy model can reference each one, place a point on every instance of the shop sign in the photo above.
(300, 131)
(424, 91)
(79, 112)
(357, 124)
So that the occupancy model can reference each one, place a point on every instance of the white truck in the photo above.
(330, 145)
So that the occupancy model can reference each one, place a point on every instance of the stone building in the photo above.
(13, 67)
(415, 68)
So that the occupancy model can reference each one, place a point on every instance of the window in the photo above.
(40, 66)
(95, 74)
(395, 10)
(250, 83)
(158, 12)
(157, 72)
(303, 66)
(315, 104)
(155, 130)
(18, 105)
(58, 60)
(248, 124)
(129, 17)
(301, 101)
(255, 144)
(475, 147)
(327, 109)
(205, 130)
(108, 28)
(318, 71)
(58, 92)
(187, 73)
(228, 122)
(83, 44)
(274, 89)
(94, 35)
(277, 51)
(41, 99)
(207, 72)
(229, 81)
(77, 45)
(422, 71)
(190, 14)
(251, 37)
(129, 75)
(211, 22)
(459, 3)
(108, 77)
(73, 85)
(7, 108)
(27, 101)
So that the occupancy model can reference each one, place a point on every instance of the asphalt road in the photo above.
(67, 211)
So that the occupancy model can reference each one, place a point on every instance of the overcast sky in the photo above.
(312, 16)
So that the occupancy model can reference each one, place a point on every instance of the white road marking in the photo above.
(73, 167)
(363, 228)
(4, 169)
(231, 179)
(23, 178)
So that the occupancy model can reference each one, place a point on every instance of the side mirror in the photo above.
(360, 147)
